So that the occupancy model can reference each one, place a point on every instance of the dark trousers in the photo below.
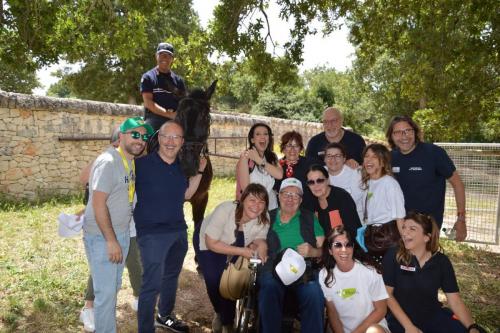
(212, 265)
(310, 303)
(162, 258)
(441, 322)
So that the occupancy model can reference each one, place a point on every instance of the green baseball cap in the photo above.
(132, 123)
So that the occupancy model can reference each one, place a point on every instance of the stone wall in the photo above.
(45, 142)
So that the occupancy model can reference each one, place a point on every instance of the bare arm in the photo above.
(147, 97)
(223, 248)
(194, 181)
(260, 245)
(398, 312)
(352, 163)
(333, 317)
(459, 190)
(379, 311)
(104, 223)
(85, 174)
(459, 309)
(242, 175)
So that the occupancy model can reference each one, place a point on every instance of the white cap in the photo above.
(292, 182)
(69, 225)
(291, 267)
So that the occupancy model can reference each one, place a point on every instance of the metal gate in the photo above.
(479, 167)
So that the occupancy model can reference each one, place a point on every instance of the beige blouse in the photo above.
(219, 225)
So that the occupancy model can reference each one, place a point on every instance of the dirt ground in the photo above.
(192, 304)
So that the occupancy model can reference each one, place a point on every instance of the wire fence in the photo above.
(479, 167)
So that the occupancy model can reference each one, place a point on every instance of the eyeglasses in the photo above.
(290, 195)
(405, 132)
(340, 245)
(137, 135)
(335, 157)
(290, 146)
(171, 137)
(311, 182)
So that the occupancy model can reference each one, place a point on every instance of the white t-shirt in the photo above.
(385, 200)
(262, 177)
(353, 294)
(350, 180)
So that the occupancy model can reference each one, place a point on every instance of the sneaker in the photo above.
(135, 304)
(87, 318)
(171, 323)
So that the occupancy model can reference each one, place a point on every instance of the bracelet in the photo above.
(460, 218)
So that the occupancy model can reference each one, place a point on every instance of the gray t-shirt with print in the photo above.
(108, 175)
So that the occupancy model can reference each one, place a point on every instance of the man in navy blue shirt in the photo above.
(161, 189)
(161, 88)
(334, 132)
(422, 170)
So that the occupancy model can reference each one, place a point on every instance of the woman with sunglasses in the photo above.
(343, 176)
(333, 205)
(413, 274)
(355, 295)
(259, 163)
(383, 204)
(232, 229)
(293, 164)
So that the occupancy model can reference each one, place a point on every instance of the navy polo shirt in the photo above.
(160, 189)
(422, 176)
(416, 288)
(163, 86)
(353, 143)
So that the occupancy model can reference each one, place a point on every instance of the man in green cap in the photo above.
(107, 217)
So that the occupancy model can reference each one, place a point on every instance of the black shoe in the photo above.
(171, 323)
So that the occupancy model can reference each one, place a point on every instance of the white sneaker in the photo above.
(87, 318)
(135, 304)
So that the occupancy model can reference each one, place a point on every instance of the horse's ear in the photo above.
(210, 90)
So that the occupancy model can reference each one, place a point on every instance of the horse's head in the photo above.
(193, 113)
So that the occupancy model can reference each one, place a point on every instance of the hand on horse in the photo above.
(203, 164)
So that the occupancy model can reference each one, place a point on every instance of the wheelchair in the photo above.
(247, 307)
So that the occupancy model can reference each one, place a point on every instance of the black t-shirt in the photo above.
(416, 288)
(353, 143)
(341, 201)
(422, 174)
(167, 90)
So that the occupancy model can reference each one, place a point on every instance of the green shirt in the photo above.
(289, 233)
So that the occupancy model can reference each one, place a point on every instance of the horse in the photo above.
(193, 113)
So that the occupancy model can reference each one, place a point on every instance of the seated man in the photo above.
(298, 229)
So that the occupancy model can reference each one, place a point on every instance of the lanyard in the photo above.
(131, 181)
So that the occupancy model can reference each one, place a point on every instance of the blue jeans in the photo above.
(162, 257)
(107, 278)
(271, 295)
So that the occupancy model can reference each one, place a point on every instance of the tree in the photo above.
(444, 54)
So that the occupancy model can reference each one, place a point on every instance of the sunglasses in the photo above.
(340, 245)
(311, 182)
(137, 135)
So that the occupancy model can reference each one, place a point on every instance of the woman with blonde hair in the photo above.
(413, 274)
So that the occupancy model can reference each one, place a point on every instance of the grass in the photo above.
(43, 276)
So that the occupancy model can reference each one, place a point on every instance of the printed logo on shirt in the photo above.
(395, 169)
(408, 268)
(347, 293)
(415, 168)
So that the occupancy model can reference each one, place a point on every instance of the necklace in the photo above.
(289, 167)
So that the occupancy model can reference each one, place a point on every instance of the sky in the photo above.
(332, 51)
